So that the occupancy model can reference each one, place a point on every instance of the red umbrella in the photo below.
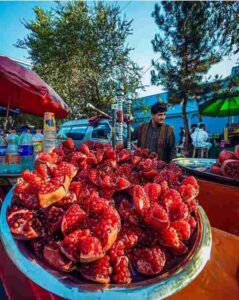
(24, 89)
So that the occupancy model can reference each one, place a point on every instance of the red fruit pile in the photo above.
(105, 213)
(227, 164)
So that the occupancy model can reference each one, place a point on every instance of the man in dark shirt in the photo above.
(157, 136)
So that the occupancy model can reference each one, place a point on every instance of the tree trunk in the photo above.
(186, 127)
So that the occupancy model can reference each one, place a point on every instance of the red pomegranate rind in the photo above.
(169, 238)
(91, 250)
(140, 198)
(164, 187)
(48, 199)
(81, 246)
(149, 261)
(188, 192)
(122, 184)
(121, 270)
(69, 144)
(153, 190)
(225, 155)
(178, 211)
(68, 200)
(157, 217)
(28, 200)
(84, 149)
(98, 271)
(24, 224)
(183, 229)
(170, 197)
(181, 249)
(128, 213)
(216, 170)
(108, 224)
(53, 256)
(73, 219)
(135, 160)
(124, 155)
(191, 180)
(230, 168)
(54, 217)
(193, 223)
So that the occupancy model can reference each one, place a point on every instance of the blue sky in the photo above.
(144, 28)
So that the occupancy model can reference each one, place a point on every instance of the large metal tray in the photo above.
(71, 287)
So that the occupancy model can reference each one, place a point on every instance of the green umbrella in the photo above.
(223, 105)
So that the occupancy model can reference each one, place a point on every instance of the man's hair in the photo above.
(202, 125)
(158, 108)
(194, 125)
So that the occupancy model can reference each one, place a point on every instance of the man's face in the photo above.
(159, 118)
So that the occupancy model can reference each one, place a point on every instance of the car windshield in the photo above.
(75, 132)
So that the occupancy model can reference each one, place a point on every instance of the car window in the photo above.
(63, 132)
(77, 132)
(102, 131)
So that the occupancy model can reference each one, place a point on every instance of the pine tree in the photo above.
(188, 43)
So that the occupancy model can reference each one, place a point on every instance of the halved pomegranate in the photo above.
(225, 155)
(149, 261)
(81, 246)
(230, 168)
(24, 224)
(53, 256)
(74, 218)
(98, 271)
(54, 193)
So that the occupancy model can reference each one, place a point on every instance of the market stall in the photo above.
(22, 90)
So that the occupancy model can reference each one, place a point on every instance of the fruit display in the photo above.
(106, 214)
(227, 164)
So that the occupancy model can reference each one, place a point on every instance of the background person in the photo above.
(200, 137)
(157, 136)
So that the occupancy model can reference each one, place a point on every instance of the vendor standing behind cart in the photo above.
(157, 136)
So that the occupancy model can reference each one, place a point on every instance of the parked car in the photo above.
(81, 131)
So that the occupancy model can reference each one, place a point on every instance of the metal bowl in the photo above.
(175, 278)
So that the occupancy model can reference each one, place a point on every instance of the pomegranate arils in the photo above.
(149, 261)
(108, 213)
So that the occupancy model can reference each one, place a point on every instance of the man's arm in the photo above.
(172, 146)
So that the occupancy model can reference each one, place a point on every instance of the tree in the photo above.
(81, 51)
(189, 42)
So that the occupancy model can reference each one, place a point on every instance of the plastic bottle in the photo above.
(25, 150)
(3, 149)
(37, 141)
(12, 155)
(49, 132)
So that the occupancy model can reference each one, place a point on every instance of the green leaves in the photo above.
(191, 37)
(81, 51)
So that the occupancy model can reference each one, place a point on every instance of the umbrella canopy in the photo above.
(24, 89)
(224, 105)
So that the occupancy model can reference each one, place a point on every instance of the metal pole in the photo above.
(128, 119)
(120, 117)
(114, 110)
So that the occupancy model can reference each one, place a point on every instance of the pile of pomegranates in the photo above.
(227, 164)
(108, 214)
